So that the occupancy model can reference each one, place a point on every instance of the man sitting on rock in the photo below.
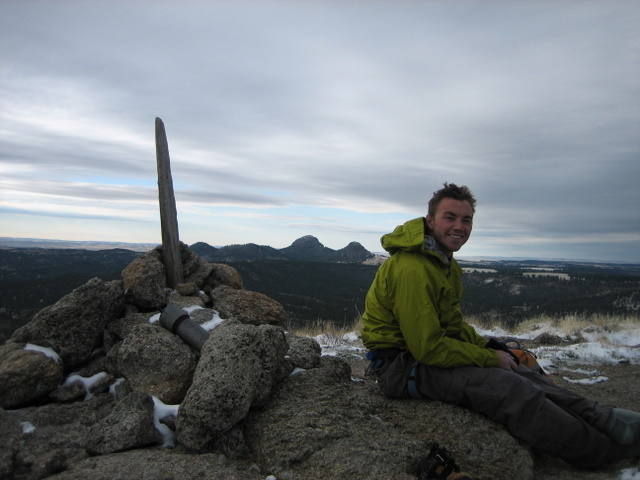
(421, 347)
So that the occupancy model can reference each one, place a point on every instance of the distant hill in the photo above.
(306, 249)
(236, 253)
(329, 284)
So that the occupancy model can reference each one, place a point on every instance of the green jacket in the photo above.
(414, 304)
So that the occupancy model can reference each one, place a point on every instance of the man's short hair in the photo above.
(451, 190)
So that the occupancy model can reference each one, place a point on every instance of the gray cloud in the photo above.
(534, 105)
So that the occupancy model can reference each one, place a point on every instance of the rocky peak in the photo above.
(309, 248)
(199, 245)
(203, 249)
(308, 241)
(354, 252)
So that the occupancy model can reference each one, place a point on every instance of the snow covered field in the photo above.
(593, 346)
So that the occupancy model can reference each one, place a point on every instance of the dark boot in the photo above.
(623, 426)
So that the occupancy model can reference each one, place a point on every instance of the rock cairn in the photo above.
(94, 388)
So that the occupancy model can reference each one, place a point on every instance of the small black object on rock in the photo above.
(439, 464)
(177, 321)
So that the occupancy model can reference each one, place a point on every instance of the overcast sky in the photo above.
(335, 119)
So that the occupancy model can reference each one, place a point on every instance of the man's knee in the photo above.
(501, 394)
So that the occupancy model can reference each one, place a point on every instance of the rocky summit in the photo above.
(94, 387)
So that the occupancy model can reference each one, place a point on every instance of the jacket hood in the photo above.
(413, 236)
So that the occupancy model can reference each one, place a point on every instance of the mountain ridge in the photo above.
(306, 248)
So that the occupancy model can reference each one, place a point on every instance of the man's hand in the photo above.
(506, 360)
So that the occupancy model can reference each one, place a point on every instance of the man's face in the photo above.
(451, 224)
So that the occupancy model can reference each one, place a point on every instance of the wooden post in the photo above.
(168, 214)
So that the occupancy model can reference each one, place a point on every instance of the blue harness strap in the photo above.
(375, 359)
(412, 386)
(379, 357)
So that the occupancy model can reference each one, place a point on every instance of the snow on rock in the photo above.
(87, 382)
(113, 388)
(26, 375)
(161, 411)
(213, 323)
(27, 427)
(192, 308)
(49, 352)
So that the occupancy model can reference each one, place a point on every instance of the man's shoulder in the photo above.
(402, 263)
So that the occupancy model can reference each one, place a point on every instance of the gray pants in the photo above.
(549, 418)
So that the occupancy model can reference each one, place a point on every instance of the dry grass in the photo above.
(329, 329)
(568, 324)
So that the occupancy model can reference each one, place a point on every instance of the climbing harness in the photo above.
(378, 358)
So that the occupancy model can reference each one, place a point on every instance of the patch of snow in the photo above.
(351, 337)
(587, 381)
(349, 344)
(632, 473)
(335, 347)
(114, 385)
(271, 477)
(544, 327)
(160, 411)
(213, 323)
(329, 352)
(495, 332)
(357, 380)
(548, 365)
(604, 347)
(49, 352)
(559, 276)
(27, 427)
(589, 353)
(193, 308)
(87, 382)
(154, 318)
(297, 371)
(580, 371)
(628, 335)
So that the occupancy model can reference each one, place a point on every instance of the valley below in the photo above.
(326, 287)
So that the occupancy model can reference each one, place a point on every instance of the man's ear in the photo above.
(430, 222)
